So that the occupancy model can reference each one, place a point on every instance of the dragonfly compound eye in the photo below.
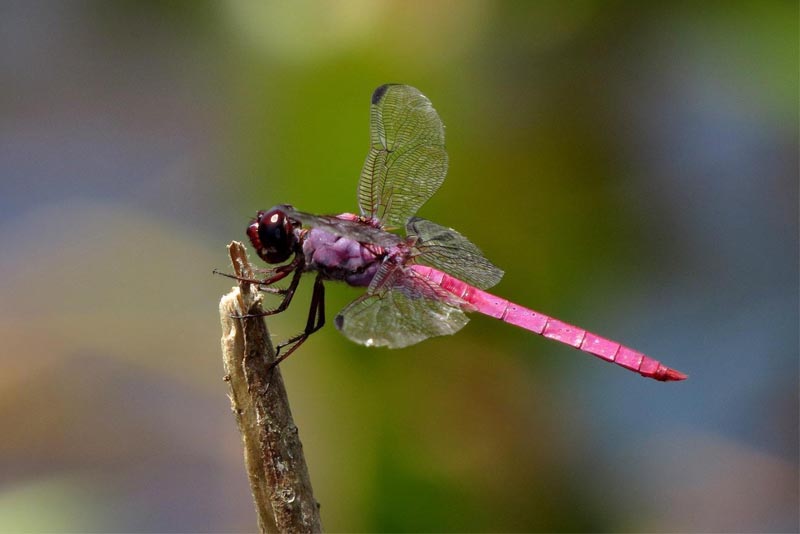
(272, 235)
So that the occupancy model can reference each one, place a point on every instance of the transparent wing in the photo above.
(404, 310)
(358, 231)
(447, 250)
(407, 161)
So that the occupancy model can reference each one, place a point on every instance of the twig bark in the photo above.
(273, 453)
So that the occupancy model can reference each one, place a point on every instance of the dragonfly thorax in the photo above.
(341, 258)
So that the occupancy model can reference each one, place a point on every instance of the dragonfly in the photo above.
(419, 285)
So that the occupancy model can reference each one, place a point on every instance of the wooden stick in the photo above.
(273, 454)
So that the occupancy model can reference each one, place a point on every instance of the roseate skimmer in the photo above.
(419, 286)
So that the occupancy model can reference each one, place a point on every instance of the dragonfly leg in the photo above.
(274, 275)
(287, 293)
(316, 320)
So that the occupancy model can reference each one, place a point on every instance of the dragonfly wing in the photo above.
(407, 161)
(405, 309)
(447, 250)
(356, 230)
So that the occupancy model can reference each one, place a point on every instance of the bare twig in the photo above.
(273, 453)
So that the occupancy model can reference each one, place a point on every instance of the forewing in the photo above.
(407, 161)
(405, 310)
(358, 231)
(449, 251)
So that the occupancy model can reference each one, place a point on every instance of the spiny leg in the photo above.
(277, 274)
(316, 320)
(288, 294)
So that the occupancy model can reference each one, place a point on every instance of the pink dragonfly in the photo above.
(419, 286)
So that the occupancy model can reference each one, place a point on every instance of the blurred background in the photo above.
(632, 167)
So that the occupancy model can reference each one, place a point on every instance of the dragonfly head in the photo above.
(272, 235)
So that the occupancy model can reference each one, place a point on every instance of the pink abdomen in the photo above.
(541, 324)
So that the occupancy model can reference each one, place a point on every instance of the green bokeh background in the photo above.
(631, 166)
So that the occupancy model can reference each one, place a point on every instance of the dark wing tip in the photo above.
(380, 91)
